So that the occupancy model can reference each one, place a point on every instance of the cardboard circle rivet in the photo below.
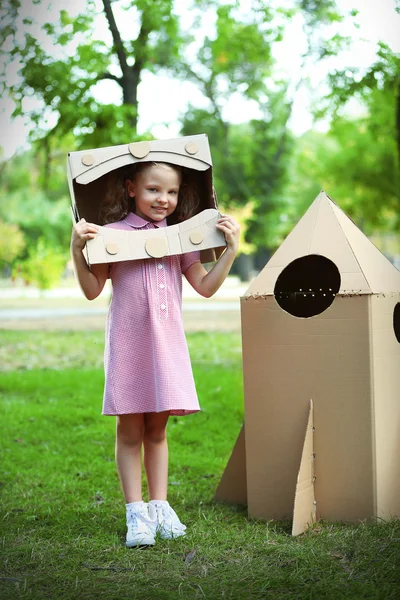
(191, 148)
(156, 247)
(88, 160)
(139, 149)
(196, 236)
(112, 248)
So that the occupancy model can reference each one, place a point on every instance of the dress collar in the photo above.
(137, 222)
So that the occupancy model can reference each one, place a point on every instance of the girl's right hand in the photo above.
(81, 233)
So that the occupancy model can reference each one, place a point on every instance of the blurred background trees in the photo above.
(55, 63)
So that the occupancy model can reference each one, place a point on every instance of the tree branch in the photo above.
(118, 44)
(208, 92)
(141, 43)
(109, 76)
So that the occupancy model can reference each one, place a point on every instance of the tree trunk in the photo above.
(130, 75)
(129, 84)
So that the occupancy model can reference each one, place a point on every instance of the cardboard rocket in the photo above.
(88, 173)
(321, 368)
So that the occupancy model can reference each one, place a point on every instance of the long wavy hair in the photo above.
(117, 202)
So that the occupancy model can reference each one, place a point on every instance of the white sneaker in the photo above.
(168, 524)
(140, 525)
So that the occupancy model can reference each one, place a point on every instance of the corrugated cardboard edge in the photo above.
(372, 408)
(304, 512)
(233, 485)
(325, 230)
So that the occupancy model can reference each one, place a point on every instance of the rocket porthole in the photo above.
(308, 286)
(396, 321)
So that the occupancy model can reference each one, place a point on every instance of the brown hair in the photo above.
(117, 202)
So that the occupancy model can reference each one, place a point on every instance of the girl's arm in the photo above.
(91, 280)
(206, 284)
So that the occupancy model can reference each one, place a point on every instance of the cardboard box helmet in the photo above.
(90, 171)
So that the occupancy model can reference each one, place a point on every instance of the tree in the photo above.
(24, 203)
(369, 145)
(355, 162)
(250, 160)
(382, 76)
(43, 266)
(237, 61)
(12, 243)
(61, 65)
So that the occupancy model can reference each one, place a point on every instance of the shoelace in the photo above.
(135, 520)
(170, 519)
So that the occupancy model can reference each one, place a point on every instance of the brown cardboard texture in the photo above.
(322, 322)
(88, 173)
(304, 512)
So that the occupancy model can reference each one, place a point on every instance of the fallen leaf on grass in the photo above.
(316, 529)
(189, 556)
(81, 475)
(337, 555)
(98, 498)
(344, 562)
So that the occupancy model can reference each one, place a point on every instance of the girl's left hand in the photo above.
(231, 229)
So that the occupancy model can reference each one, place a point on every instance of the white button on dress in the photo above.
(146, 359)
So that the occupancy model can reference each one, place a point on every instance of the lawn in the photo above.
(62, 523)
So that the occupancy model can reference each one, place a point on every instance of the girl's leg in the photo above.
(156, 454)
(128, 445)
(156, 463)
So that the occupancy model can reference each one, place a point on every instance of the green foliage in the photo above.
(357, 161)
(356, 164)
(319, 11)
(237, 58)
(347, 83)
(378, 90)
(240, 51)
(61, 66)
(41, 170)
(249, 164)
(25, 204)
(249, 158)
(37, 216)
(43, 267)
(12, 243)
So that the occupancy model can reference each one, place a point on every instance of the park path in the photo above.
(65, 308)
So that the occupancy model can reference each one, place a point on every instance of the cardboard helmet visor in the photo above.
(89, 172)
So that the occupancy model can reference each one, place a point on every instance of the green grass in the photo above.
(62, 514)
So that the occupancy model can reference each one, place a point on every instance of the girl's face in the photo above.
(155, 191)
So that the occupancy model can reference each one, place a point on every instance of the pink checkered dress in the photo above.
(146, 359)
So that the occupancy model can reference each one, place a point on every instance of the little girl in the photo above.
(148, 375)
